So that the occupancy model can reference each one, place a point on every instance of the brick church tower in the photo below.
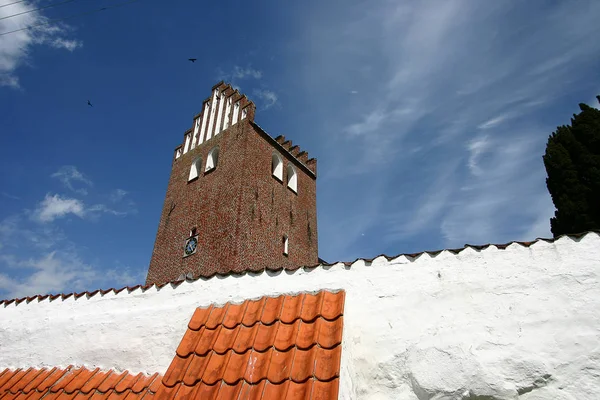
(238, 200)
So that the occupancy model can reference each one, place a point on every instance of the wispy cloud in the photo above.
(59, 272)
(248, 72)
(436, 77)
(10, 196)
(69, 175)
(117, 195)
(476, 148)
(40, 259)
(55, 206)
(15, 48)
(268, 97)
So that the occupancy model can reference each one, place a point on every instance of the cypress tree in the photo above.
(572, 162)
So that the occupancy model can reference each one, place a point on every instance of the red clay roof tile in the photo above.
(286, 347)
(35, 382)
(325, 390)
(265, 337)
(234, 315)
(271, 310)
(311, 307)
(299, 390)
(226, 339)
(253, 312)
(292, 305)
(195, 370)
(71, 384)
(216, 317)
(308, 333)
(78, 383)
(207, 391)
(188, 343)
(330, 333)
(199, 318)
(227, 391)
(245, 338)
(94, 382)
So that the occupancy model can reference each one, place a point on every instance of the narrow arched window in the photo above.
(195, 168)
(285, 243)
(193, 232)
(277, 166)
(292, 179)
(212, 160)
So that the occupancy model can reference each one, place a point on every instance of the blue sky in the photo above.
(429, 120)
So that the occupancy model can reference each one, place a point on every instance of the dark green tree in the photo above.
(572, 162)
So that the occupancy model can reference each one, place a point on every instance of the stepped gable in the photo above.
(233, 96)
(286, 347)
(71, 382)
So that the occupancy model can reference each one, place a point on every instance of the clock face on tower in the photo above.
(191, 245)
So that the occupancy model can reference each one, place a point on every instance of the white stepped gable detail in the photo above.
(227, 113)
(196, 129)
(236, 112)
(204, 121)
(187, 143)
(213, 110)
(220, 113)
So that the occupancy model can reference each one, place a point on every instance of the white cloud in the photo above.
(268, 97)
(10, 196)
(435, 77)
(60, 272)
(16, 48)
(476, 148)
(117, 195)
(243, 73)
(491, 123)
(54, 206)
(69, 175)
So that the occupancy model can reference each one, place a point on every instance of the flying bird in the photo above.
(192, 59)
(90, 104)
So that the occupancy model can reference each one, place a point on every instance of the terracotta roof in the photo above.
(80, 383)
(322, 263)
(286, 347)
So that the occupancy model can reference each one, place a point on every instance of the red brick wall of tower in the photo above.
(241, 212)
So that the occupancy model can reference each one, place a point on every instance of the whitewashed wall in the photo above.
(517, 323)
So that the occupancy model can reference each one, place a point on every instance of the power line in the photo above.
(70, 16)
(38, 9)
(14, 2)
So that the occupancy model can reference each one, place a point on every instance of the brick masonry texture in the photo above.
(240, 210)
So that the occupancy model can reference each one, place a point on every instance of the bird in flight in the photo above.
(192, 59)
(90, 104)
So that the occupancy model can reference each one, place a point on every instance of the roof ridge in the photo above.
(412, 257)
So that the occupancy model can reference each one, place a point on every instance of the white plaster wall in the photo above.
(492, 324)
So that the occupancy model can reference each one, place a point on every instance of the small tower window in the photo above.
(285, 243)
(193, 232)
(277, 166)
(292, 179)
(212, 160)
(195, 168)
